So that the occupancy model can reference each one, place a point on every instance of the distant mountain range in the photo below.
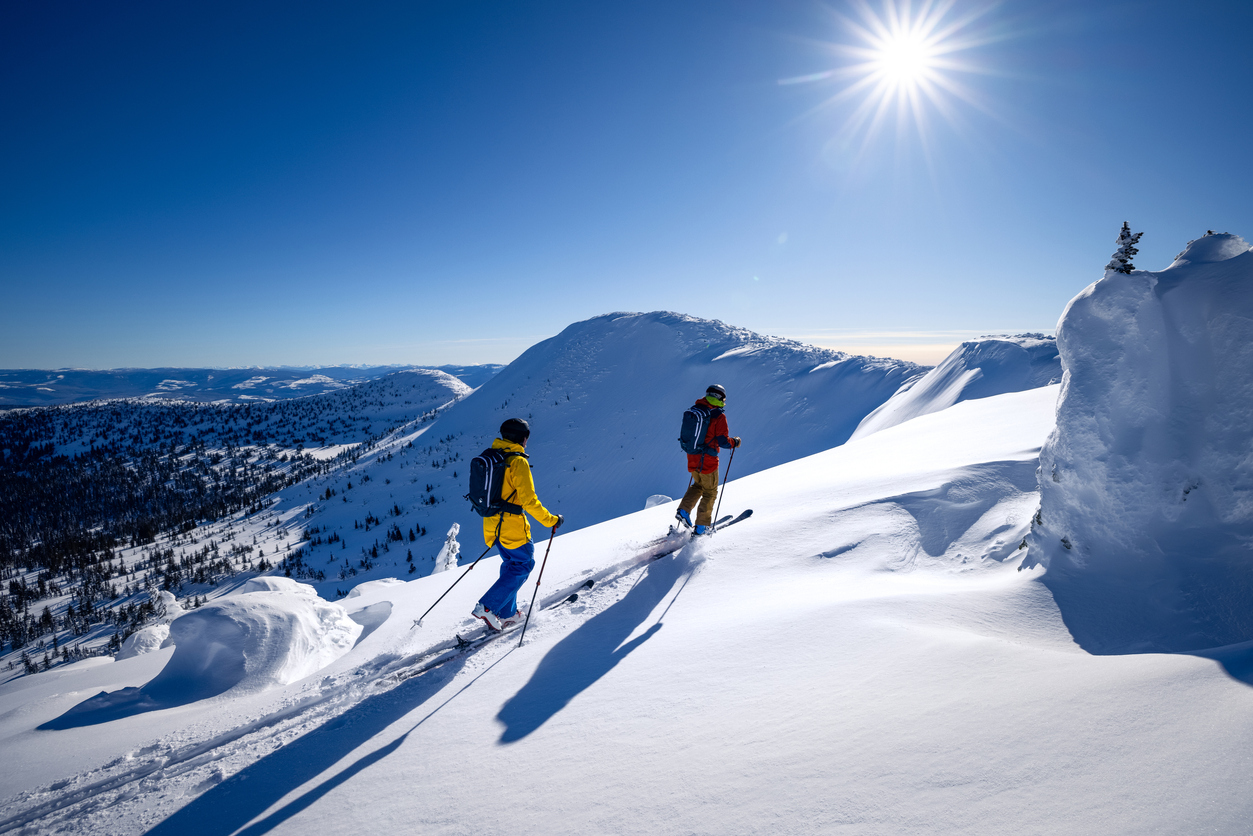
(44, 387)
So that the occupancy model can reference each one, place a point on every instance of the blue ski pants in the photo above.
(502, 597)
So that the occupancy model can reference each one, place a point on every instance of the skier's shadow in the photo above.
(590, 652)
(230, 805)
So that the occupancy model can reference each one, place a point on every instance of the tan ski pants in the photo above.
(705, 488)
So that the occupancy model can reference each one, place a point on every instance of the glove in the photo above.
(560, 520)
(735, 442)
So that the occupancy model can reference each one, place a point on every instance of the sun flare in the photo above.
(905, 58)
(903, 65)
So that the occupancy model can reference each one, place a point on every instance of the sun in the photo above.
(905, 58)
(903, 65)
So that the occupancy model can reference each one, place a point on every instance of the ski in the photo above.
(743, 516)
(461, 645)
(718, 526)
(573, 596)
(478, 638)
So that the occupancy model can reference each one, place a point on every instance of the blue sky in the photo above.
(449, 182)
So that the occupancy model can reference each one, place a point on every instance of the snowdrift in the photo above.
(976, 369)
(241, 644)
(1146, 510)
(253, 641)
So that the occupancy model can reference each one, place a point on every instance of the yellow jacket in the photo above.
(514, 529)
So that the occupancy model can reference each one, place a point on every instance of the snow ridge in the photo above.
(1147, 481)
(976, 369)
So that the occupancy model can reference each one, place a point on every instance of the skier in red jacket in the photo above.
(704, 465)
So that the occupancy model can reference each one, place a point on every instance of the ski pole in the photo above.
(730, 461)
(539, 578)
(418, 623)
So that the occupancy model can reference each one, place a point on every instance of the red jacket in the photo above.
(716, 436)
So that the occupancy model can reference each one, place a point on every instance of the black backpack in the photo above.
(696, 423)
(487, 481)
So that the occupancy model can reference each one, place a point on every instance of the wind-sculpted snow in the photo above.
(240, 644)
(976, 369)
(1146, 514)
(252, 642)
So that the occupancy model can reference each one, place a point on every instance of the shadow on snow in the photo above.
(580, 659)
(230, 805)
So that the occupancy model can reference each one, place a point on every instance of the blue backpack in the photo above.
(487, 483)
(696, 421)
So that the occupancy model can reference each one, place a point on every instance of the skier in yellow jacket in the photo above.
(511, 533)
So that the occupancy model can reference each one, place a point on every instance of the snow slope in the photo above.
(976, 369)
(604, 399)
(1147, 482)
(606, 396)
(860, 656)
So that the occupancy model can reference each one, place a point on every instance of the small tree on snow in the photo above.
(447, 557)
(1127, 240)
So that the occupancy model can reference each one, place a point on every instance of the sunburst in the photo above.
(903, 66)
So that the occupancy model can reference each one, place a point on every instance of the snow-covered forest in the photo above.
(1010, 593)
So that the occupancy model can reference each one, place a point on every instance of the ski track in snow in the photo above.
(79, 803)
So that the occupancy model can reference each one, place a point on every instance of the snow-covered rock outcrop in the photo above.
(1146, 514)
(976, 369)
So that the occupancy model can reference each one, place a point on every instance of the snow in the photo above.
(199, 385)
(888, 645)
(157, 635)
(1147, 482)
(326, 453)
(975, 369)
(449, 552)
(252, 642)
(371, 586)
(861, 655)
(269, 635)
(604, 399)
(144, 640)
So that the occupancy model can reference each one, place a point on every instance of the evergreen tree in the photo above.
(1127, 240)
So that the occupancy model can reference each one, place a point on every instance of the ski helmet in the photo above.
(515, 430)
(717, 391)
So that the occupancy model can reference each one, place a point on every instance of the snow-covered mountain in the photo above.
(975, 369)
(604, 399)
(349, 415)
(1147, 482)
(380, 468)
(51, 387)
(79, 481)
